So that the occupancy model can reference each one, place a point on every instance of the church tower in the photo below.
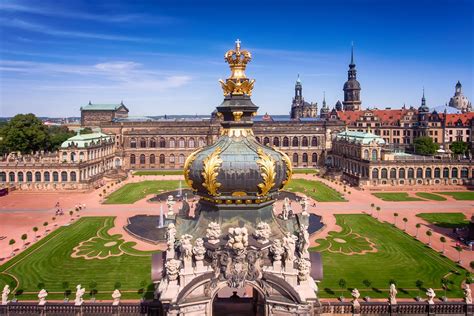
(300, 108)
(324, 110)
(352, 88)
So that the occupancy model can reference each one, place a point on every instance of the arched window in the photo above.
(401, 173)
(437, 173)
(153, 143)
(181, 143)
(11, 177)
(152, 159)
(411, 173)
(81, 156)
(133, 143)
(454, 172)
(171, 158)
(428, 173)
(374, 154)
(63, 176)
(162, 158)
(3, 177)
(286, 142)
(258, 139)
(46, 176)
(393, 173)
(295, 142)
(73, 156)
(191, 143)
(295, 158)
(64, 156)
(464, 173)
(419, 173)
(304, 141)
(142, 143)
(172, 143)
(29, 177)
(276, 142)
(181, 159)
(384, 173)
(314, 141)
(375, 173)
(305, 157)
(314, 157)
(132, 159)
(142, 159)
(162, 142)
(266, 140)
(55, 176)
(37, 176)
(366, 154)
(446, 173)
(73, 176)
(201, 142)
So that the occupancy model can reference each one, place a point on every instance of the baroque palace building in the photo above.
(164, 143)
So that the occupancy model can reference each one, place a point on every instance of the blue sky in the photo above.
(165, 57)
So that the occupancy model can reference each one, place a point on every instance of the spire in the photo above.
(324, 99)
(352, 53)
(423, 100)
(298, 80)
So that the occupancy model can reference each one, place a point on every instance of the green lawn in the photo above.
(447, 220)
(383, 253)
(49, 263)
(430, 196)
(462, 196)
(305, 171)
(158, 173)
(395, 196)
(132, 192)
(315, 189)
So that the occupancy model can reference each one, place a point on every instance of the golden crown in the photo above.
(237, 83)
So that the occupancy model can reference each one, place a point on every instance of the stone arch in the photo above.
(419, 173)
(454, 172)
(132, 159)
(266, 140)
(304, 159)
(437, 173)
(295, 142)
(428, 173)
(152, 142)
(162, 159)
(374, 154)
(142, 159)
(29, 176)
(384, 173)
(366, 154)
(304, 142)
(314, 141)
(314, 157)
(276, 141)
(375, 173)
(401, 173)
(37, 176)
(162, 142)
(152, 159)
(295, 158)
(142, 142)
(286, 142)
(3, 176)
(11, 176)
(393, 173)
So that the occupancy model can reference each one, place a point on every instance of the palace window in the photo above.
(191, 143)
(401, 173)
(37, 176)
(454, 172)
(46, 177)
(55, 176)
(152, 159)
(142, 159)
(384, 173)
(172, 143)
(375, 173)
(393, 173)
(266, 140)
(305, 157)
(202, 142)
(132, 159)
(295, 142)
(276, 141)
(257, 139)
(419, 173)
(162, 158)
(73, 157)
(446, 173)
(181, 159)
(314, 141)
(428, 173)
(295, 158)
(3, 177)
(181, 143)
(133, 143)
(153, 143)
(142, 143)
(11, 177)
(73, 176)
(29, 177)
(304, 141)
(437, 173)
(464, 173)
(411, 173)
(374, 154)
(314, 157)
(172, 158)
(162, 142)
(286, 142)
(63, 176)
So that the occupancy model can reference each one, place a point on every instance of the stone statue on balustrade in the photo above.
(213, 233)
(393, 294)
(467, 294)
(304, 205)
(238, 239)
(79, 294)
(116, 295)
(286, 212)
(42, 297)
(277, 250)
(304, 267)
(355, 297)
(303, 242)
(289, 243)
(430, 293)
(262, 233)
(5, 293)
(186, 251)
(170, 202)
(170, 240)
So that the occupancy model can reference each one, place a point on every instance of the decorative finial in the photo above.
(237, 83)
(352, 53)
(90, 103)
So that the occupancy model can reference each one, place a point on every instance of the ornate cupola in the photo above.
(352, 88)
(237, 169)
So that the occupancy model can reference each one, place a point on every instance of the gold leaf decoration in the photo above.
(267, 167)
(187, 167)
(211, 169)
(289, 169)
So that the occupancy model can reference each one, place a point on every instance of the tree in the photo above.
(25, 133)
(471, 264)
(443, 241)
(58, 135)
(35, 230)
(419, 285)
(11, 243)
(459, 148)
(429, 233)
(405, 220)
(367, 283)
(24, 237)
(378, 211)
(342, 285)
(459, 250)
(71, 213)
(445, 284)
(86, 130)
(395, 215)
(425, 146)
(417, 227)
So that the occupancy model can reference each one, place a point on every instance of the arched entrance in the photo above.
(247, 301)
(118, 163)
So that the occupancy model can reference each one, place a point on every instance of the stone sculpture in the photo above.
(303, 242)
(238, 239)
(277, 250)
(393, 294)
(79, 293)
(430, 293)
(289, 243)
(170, 240)
(304, 205)
(467, 294)
(355, 297)
(199, 250)
(262, 233)
(5, 292)
(286, 209)
(213, 232)
(116, 295)
(170, 202)
(303, 269)
(172, 269)
(186, 248)
(42, 297)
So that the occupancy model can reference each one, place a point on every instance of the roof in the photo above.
(386, 117)
(452, 119)
(360, 137)
(85, 140)
(102, 107)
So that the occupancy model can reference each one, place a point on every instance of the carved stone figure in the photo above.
(172, 269)
(199, 250)
(430, 293)
(5, 292)
(170, 202)
(303, 269)
(467, 294)
(286, 209)
(393, 294)
(116, 295)
(303, 242)
(289, 243)
(304, 205)
(238, 239)
(262, 233)
(79, 293)
(170, 240)
(186, 248)
(277, 250)
(42, 297)
(355, 297)
(213, 233)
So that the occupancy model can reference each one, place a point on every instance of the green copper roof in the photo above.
(85, 140)
(360, 137)
(101, 107)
